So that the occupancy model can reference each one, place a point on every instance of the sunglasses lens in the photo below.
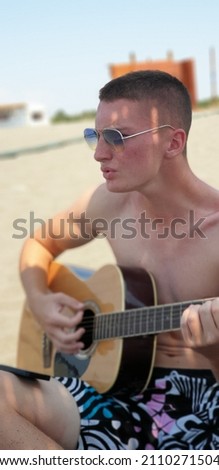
(91, 138)
(113, 137)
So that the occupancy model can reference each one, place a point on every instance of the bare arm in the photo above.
(37, 254)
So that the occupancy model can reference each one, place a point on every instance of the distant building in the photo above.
(22, 114)
(184, 70)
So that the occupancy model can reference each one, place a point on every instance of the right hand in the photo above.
(59, 315)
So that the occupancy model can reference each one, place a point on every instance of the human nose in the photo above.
(103, 151)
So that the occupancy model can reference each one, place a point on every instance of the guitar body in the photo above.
(110, 364)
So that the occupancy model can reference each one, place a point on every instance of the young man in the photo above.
(140, 136)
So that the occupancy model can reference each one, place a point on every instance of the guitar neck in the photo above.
(140, 321)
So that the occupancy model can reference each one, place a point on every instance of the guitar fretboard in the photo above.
(140, 321)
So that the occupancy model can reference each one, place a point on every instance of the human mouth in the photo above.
(108, 173)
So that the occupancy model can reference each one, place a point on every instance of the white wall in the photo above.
(29, 115)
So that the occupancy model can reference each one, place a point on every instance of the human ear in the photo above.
(177, 143)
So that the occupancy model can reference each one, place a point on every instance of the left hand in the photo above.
(200, 329)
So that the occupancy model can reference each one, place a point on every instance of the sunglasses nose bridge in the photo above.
(104, 149)
(104, 141)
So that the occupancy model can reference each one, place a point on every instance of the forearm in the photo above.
(50, 309)
(35, 260)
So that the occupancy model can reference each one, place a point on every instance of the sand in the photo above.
(38, 185)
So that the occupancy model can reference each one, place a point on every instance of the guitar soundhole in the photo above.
(88, 324)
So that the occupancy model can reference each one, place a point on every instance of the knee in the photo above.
(48, 406)
(68, 417)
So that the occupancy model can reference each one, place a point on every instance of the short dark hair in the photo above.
(158, 87)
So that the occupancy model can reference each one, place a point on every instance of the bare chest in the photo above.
(184, 269)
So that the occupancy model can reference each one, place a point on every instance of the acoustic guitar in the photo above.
(121, 321)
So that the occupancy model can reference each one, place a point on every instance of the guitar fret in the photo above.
(171, 317)
(114, 324)
(167, 318)
(110, 325)
(151, 321)
(138, 325)
(95, 332)
(176, 315)
(159, 320)
(131, 322)
(134, 324)
(98, 327)
(120, 325)
(127, 324)
(102, 327)
(144, 321)
(162, 318)
(121, 321)
(117, 318)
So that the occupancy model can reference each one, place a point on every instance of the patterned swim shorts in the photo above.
(179, 410)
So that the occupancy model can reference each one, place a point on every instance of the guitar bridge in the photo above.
(47, 351)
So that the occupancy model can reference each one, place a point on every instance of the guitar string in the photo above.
(140, 316)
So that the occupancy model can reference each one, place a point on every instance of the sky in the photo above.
(58, 52)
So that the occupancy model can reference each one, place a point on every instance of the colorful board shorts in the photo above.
(179, 410)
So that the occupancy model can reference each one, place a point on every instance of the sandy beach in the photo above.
(37, 185)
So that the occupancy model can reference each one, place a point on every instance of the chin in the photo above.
(116, 188)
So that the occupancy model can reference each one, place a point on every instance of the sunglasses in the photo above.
(113, 136)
